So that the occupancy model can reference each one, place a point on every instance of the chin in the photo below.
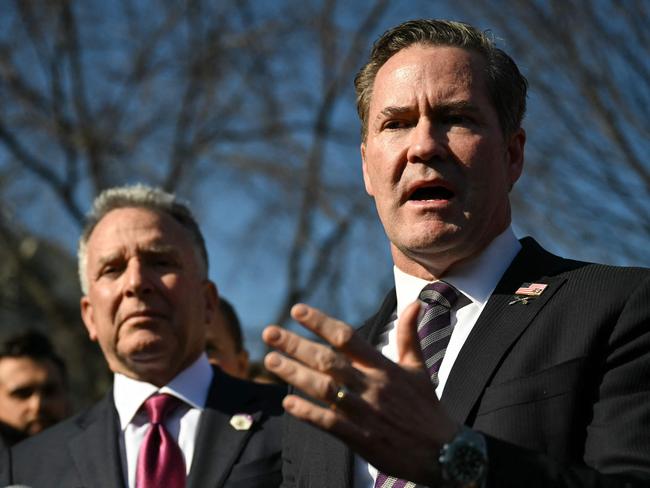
(158, 374)
(145, 345)
(433, 239)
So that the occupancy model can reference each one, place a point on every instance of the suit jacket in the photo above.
(84, 451)
(4, 463)
(560, 386)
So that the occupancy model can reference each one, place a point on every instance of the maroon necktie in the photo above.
(434, 331)
(160, 460)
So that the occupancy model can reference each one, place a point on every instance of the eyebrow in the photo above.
(153, 249)
(108, 258)
(159, 249)
(392, 111)
(460, 105)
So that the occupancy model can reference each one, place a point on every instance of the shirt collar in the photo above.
(476, 278)
(191, 385)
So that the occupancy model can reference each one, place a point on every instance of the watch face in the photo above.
(463, 460)
(467, 463)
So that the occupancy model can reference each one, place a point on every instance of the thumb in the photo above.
(408, 343)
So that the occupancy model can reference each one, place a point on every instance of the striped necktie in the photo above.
(434, 331)
(434, 328)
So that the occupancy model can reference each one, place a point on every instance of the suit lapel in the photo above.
(95, 450)
(219, 444)
(498, 327)
(336, 466)
(373, 327)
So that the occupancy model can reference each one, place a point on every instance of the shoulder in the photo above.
(587, 274)
(584, 296)
(47, 459)
(53, 439)
(244, 396)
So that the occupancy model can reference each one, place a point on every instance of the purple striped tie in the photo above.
(434, 330)
(435, 326)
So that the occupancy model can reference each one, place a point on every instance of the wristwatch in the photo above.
(463, 461)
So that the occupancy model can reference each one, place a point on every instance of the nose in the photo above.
(425, 143)
(36, 402)
(137, 282)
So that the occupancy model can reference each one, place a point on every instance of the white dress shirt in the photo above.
(191, 386)
(476, 280)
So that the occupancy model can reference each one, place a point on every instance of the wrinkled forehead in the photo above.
(440, 71)
(138, 230)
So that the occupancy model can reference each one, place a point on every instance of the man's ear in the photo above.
(364, 169)
(211, 297)
(88, 317)
(515, 156)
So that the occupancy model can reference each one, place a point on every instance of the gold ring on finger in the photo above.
(340, 396)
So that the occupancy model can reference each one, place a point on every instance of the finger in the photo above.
(361, 440)
(409, 351)
(333, 421)
(317, 385)
(316, 356)
(338, 334)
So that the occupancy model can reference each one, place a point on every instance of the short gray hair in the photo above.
(506, 86)
(139, 196)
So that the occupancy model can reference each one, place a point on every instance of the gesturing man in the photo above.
(499, 364)
(171, 419)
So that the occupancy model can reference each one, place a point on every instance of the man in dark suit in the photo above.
(170, 419)
(522, 369)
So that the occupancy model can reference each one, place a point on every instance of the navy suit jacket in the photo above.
(84, 451)
(560, 386)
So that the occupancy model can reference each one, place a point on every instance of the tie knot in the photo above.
(158, 407)
(439, 293)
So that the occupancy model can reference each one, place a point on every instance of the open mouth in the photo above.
(432, 193)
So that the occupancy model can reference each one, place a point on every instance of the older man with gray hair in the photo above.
(170, 419)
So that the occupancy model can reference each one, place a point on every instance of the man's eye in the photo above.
(396, 124)
(109, 270)
(163, 261)
(22, 393)
(457, 119)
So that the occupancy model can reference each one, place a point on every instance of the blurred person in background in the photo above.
(33, 387)
(224, 342)
(260, 374)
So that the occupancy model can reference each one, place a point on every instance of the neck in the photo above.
(421, 268)
(434, 265)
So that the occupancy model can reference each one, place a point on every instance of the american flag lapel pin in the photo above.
(528, 291)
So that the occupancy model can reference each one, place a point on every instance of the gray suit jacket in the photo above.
(560, 386)
(84, 452)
